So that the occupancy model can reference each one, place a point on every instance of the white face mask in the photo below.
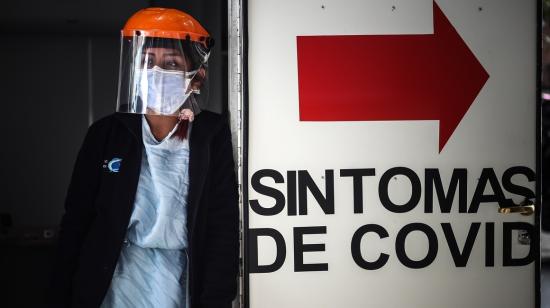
(164, 91)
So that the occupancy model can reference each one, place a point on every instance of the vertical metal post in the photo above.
(236, 115)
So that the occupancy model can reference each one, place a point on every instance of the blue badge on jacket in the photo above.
(113, 165)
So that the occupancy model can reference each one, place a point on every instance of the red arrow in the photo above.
(389, 77)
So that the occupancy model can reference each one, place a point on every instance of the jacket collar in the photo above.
(132, 121)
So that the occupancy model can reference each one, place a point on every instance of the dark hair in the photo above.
(181, 131)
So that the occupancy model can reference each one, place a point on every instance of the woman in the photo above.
(151, 214)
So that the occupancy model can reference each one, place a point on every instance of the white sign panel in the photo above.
(383, 137)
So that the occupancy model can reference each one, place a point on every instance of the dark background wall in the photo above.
(59, 74)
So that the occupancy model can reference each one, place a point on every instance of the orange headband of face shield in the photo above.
(166, 23)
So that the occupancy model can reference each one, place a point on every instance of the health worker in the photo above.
(151, 214)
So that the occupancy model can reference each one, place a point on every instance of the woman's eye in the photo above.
(172, 64)
(147, 62)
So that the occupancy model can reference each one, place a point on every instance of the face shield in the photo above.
(162, 76)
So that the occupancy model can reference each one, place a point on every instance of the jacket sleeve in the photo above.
(75, 222)
(221, 263)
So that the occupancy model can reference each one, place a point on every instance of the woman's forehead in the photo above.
(162, 51)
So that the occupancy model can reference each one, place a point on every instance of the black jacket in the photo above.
(99, 204)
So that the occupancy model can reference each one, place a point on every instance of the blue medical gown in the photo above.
(152, 268)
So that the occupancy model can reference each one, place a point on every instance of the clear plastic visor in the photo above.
(162, 76)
